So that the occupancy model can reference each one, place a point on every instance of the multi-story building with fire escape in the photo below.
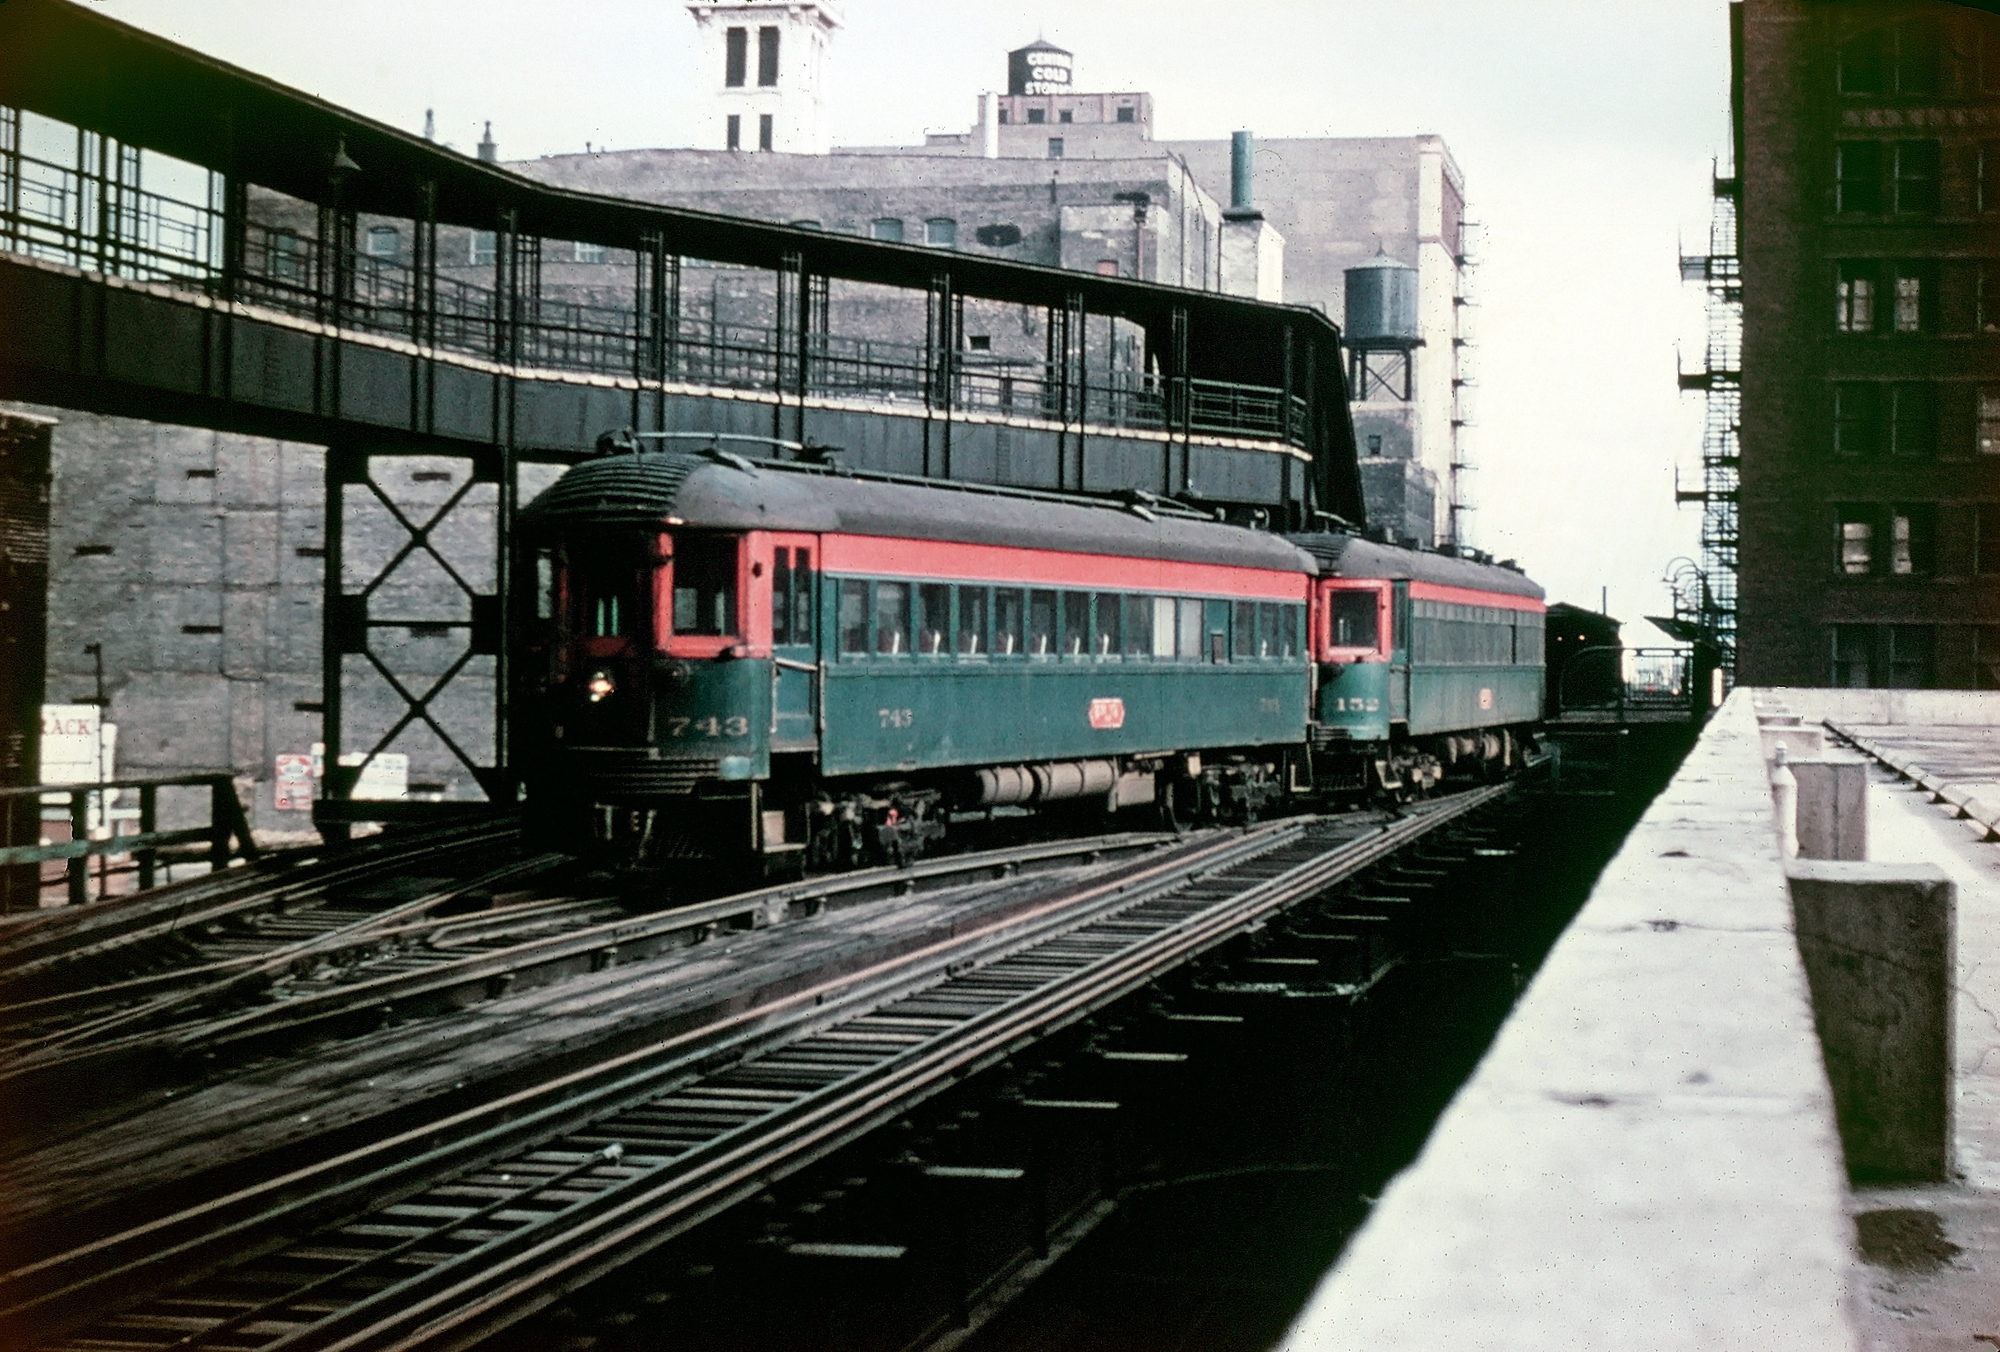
(1868, 139)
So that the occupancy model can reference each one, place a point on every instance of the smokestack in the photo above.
(430, 124)
(989, 126)
(489, 153)
(1242, 157)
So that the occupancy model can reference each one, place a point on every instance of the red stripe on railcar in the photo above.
(1467, 596)
(880, 556)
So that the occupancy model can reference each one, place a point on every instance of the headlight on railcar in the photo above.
(599, 685)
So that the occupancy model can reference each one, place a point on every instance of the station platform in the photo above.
(1650, 1154)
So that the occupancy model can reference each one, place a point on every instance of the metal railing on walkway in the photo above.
(124, 860)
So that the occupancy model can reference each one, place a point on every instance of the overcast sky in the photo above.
(1585, 129)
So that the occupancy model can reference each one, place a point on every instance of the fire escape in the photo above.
(1710, 604)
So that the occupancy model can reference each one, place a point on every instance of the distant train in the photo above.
(727, 658)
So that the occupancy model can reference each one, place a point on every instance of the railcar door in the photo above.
(794, 643)
(1399, 654)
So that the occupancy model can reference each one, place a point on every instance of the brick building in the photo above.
(1869, 164)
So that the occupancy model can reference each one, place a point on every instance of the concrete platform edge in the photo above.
(1647, 1156)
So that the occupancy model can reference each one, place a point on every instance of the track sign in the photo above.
(1107, 713)
(293, 787)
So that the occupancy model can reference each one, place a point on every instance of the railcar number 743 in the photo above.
(734, 726)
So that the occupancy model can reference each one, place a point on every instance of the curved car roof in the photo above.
(1353, 556)
(643, 488)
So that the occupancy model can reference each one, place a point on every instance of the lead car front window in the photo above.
(704, 585)
(607, 586)
(1354, 619)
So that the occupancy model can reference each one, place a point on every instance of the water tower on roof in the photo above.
(1039, 68)
(1381, 329)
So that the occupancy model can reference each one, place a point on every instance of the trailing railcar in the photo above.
(725, 656)
(1428, 663)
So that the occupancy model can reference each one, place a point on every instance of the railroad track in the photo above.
(442, 1235)
(413, 960)
(217, 1139)
(281, 899)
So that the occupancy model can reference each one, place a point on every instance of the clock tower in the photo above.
(768, 61)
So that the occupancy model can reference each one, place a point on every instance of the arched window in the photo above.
(888, 228)
(941, 232)
(384, 241)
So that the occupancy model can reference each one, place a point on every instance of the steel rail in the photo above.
(500, 1282)
(35, 948)
(229, 978)
(1022, 979)
(55, 1293)
(452, 979)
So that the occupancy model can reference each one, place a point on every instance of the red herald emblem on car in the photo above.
(1107, 713)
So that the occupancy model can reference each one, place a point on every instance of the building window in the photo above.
(1910, 656)
(485, 247)
(1107, 267)
(1909, 303)
(941, 232)
(1912, 540)
(1986, 539)
(1038, 115)
(284, 256)
(1986, 657)
(1857, 539)
(383, 241)
(1065, 116)
(1055, 147)
(1894, 59)
(979, 342)
(1916, 165)
(1915, 299)
(806, 224)
(1857, 177)
(1918, 57)
(590, 253)
(766, 130)
(1861, 61)
(733, 135)
(1871, 418)
(1852, 649)
(1006, 116)
(735, 57)
(1857, 418)
(1127, 113)
(767, 57)
(886, 228)
(1854, 298)
(1912, 421)
(1989, 420)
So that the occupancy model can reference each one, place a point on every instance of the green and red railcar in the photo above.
(726, 656)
